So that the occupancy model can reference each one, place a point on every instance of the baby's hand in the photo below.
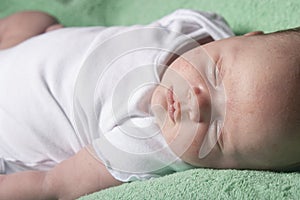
(23, 185)
(79, 175)
(21, 26)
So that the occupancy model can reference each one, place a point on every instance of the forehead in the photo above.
(260, 82)
(254, 66)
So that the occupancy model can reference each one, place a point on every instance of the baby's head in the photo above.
(261, 78)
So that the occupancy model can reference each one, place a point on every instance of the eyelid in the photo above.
(220, 139)
(214, 74)
(218, 72)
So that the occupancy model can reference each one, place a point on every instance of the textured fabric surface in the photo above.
(209, 184)
(242, 16)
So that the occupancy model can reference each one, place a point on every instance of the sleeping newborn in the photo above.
(83, 109)
(260, 74)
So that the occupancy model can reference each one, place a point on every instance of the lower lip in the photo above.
(171, 108)
(171, 111)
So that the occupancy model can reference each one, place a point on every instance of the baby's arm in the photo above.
(21, 26)
(79, 175)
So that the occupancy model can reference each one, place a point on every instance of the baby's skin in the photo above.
(260, 73)
(23, 25)
(261, 77)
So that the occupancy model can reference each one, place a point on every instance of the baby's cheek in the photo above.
(186, 139)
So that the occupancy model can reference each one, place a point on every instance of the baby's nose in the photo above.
(199, 104)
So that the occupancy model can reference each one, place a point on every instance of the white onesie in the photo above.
(77, 87)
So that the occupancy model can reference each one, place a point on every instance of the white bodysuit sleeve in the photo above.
(196, 24)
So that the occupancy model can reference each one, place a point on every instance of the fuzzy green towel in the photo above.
(209, 184)
(242, 16)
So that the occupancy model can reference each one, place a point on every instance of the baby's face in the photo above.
(261, 78)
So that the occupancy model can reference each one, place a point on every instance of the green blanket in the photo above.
(242, 16)
(209, 184)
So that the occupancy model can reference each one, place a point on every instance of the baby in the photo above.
(83, 109)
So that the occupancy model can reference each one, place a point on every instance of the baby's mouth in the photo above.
(173, 106)
(170, 100)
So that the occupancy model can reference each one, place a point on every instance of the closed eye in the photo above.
(218, 71)
(214, 73)
(220, 139)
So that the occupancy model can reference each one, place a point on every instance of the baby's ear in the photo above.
(254, 33)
